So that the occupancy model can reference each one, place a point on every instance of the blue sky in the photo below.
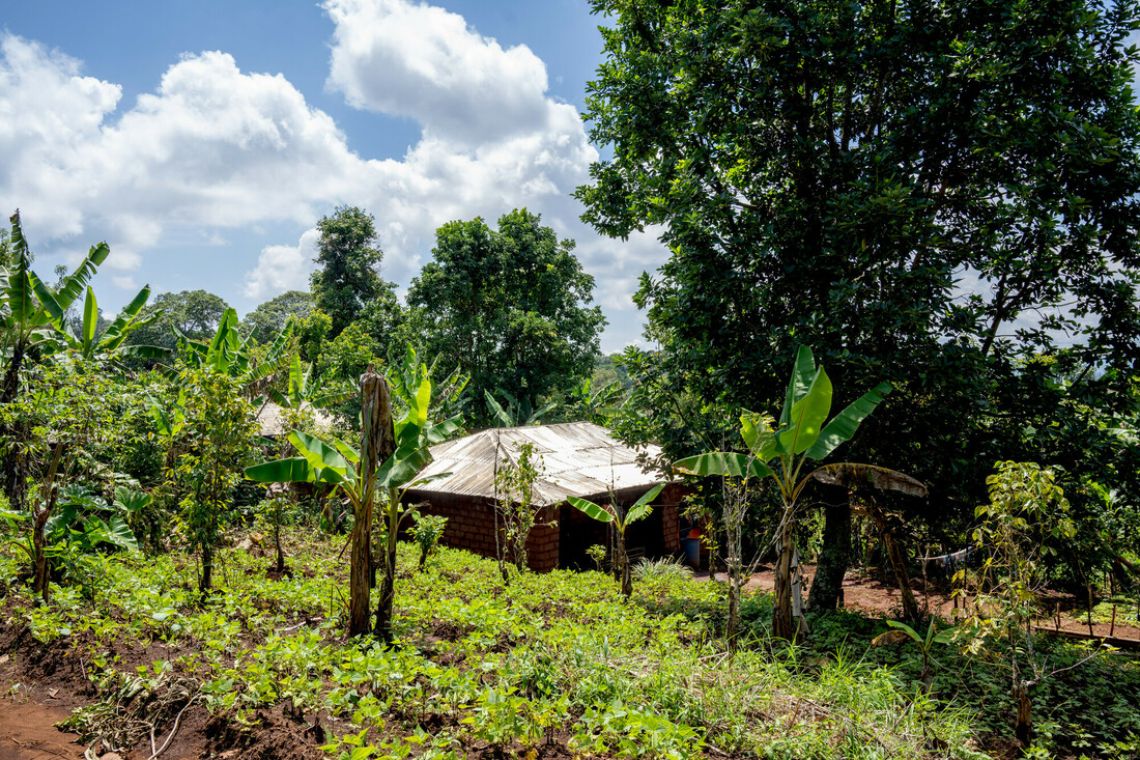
(204, 139)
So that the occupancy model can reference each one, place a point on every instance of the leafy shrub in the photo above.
(666, 568)
(426, 531)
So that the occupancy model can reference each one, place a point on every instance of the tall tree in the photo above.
(266, 322)
(939, 192)
(347, 280)
(510, 305)
(194, 313)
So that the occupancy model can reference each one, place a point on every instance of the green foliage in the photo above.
(620, 519)
(31, 316)
(347, 280)
(934, 193)
(191, 314)
(559, 658)
(372, 474)
(214, 441)
(516, 511)
(266, 322)
(516, 413)
(781, 453)
(511, 305)
(426, 532)
(665, 568)
(1025, 517)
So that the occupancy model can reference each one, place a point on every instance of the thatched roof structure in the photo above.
(577, 459)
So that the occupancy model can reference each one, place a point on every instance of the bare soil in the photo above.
(863, 593)
(41, 685)
(28, 732)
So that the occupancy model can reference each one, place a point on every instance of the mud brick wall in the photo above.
(471, 526)
(670, 502)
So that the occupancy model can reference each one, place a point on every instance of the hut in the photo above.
(271, 422)
(576, 459)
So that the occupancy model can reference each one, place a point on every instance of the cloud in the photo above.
(421, 61)
(283, 267)
(214, 148)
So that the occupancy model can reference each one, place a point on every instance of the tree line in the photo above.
(508, 306)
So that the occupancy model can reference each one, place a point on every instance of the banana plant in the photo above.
(595, 405)
(516, 413)
(89, 345)
(30, 315)
(231, 354)
(31, 312)
(612, 514)
(394, 449)
(925, 643)
(303, 387)
(780, 453)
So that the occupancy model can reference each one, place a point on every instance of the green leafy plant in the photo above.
(1025, 517)
(393, 450)
(515, 507)
(427, 530)
(215, 439)
(31, 315)
(778, 454)
(90, 344)
(597, 553)
(516, 413)
(619, 519)
(925, 643)
(228, 353)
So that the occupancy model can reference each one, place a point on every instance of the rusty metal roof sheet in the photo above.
(575, 459)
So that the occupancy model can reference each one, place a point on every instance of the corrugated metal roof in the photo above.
(577, 459)
(271, 421)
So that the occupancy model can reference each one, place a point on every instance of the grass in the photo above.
(553, 662)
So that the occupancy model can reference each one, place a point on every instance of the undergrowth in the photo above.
(556, 660)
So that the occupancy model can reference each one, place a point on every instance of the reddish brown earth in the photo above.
(41, 685)
(864, 594)
(28, 732)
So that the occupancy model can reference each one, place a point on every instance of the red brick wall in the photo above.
(471, 526)
(670, 503)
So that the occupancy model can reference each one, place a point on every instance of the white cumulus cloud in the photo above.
(417, 60)
(213, 148)
(283, 267)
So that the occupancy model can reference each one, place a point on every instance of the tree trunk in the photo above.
(783, 621)
(360, 565)
(827, 587)
(383, 629)
(206, 582)
(1023, 726)
(376, 445)
(41, 584)
(732, 625)
(13, 480)
(277, 542)
(897, 557)
(40, 567)
(626, 574)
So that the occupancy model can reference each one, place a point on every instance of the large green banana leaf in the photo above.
(727, 463)
(842, 426)
(591, 510)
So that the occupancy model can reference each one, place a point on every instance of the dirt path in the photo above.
(28, 732)
(870, 597)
